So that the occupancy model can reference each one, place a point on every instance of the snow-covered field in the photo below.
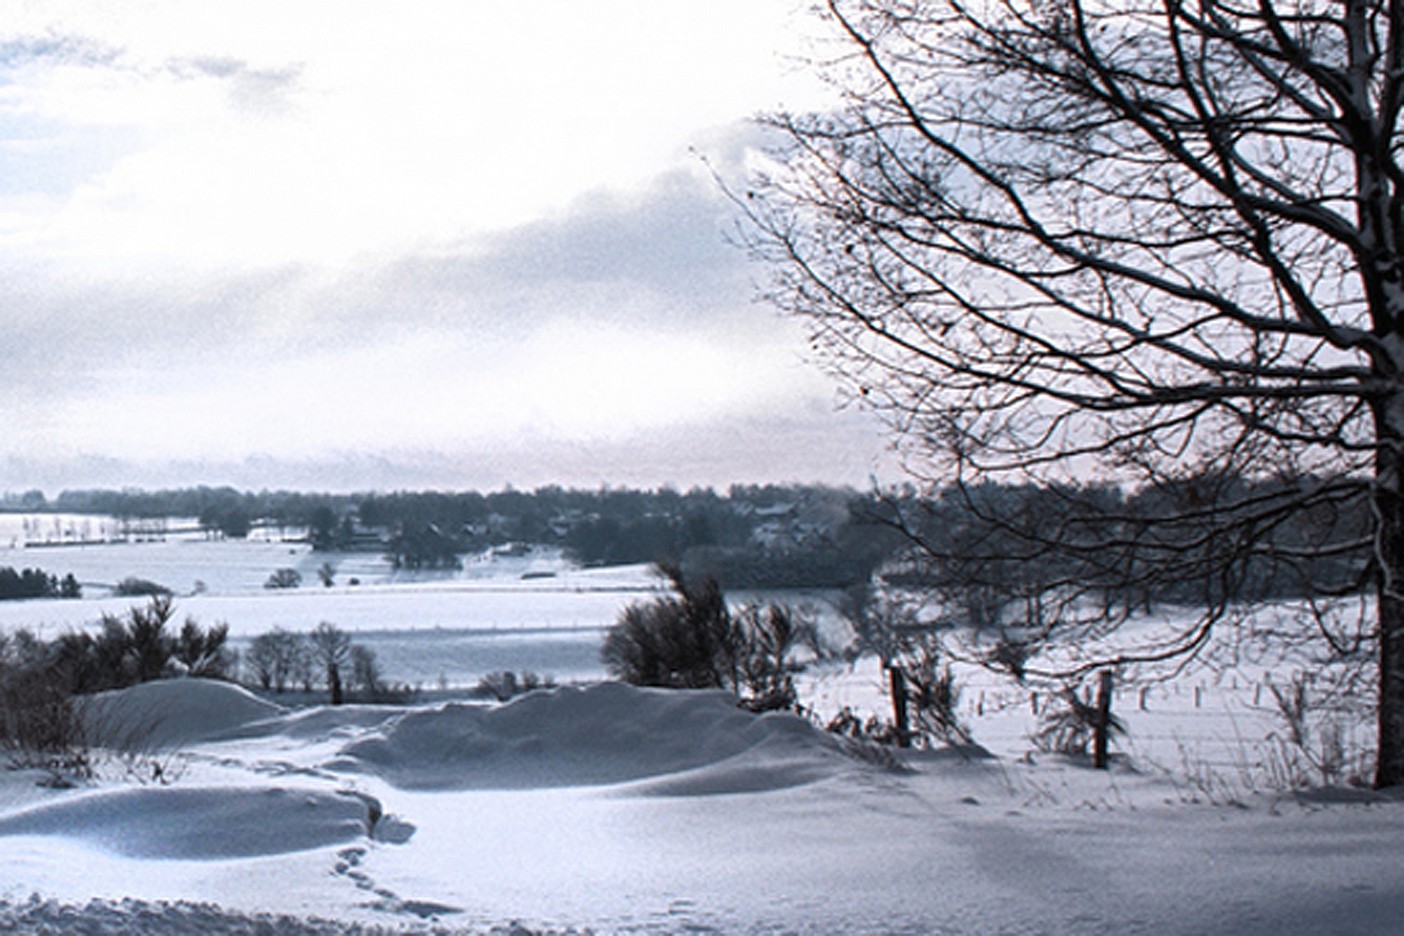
(613, 809)
(602, 808)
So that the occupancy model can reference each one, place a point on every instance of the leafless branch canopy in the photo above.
(1142, 246)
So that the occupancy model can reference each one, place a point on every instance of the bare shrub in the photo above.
(761, 642)
(40, 727)
(506, 684)
(1311, 749)
(127, 743)
(932, 694)
(872, 730)
(1069, 723)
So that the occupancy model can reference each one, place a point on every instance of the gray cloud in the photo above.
(658, 257)
(58, 49)
(670, 240)
(254, 90)
(667, 247)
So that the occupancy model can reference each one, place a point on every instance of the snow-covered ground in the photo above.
(602, 808)
(614, 809)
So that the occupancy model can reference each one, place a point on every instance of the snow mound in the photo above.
(600, 735)
(202, 823)
(172, 713)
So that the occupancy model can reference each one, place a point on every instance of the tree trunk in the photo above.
(897, 683)
(334, 683)
(1389, 770)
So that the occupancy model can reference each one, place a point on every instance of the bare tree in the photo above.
(279, 659)
(1152, 243)
(261, 662)
(331, 648)
(365, 671)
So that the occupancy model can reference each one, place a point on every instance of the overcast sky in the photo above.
(339, 245)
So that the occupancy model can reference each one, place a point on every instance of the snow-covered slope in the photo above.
(617, 809)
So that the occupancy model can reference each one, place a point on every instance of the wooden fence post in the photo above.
(1102, 728)
(897, 683)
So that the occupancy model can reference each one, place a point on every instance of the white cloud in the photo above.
(320, 232)
(325, 132)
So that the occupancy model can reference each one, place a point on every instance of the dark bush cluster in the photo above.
(133, 587)
(40, 725)
(41, 681)
(138, 647)
(284, 578)
(506, 684)
(426, 547)
(693, 640)
(36, 583)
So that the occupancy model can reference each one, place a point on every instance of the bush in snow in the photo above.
(1072, 720)
(202, 652)
(692, 640)
(932, 694)
(284, 578)
(133, 587)
(40, 725)
(139, 647)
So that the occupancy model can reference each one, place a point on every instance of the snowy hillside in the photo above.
(616, 809)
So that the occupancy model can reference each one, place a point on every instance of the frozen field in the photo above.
(499, 612)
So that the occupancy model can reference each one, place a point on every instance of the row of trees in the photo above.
(281, 660)
(981, 549)
(144, 645)
(42, 682)
(732, 534)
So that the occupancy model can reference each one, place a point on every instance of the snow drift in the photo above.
(603, 734)
(202, 823)
(171, 713)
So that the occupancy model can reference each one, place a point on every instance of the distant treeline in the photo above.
(989, 537)
(749, 536)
